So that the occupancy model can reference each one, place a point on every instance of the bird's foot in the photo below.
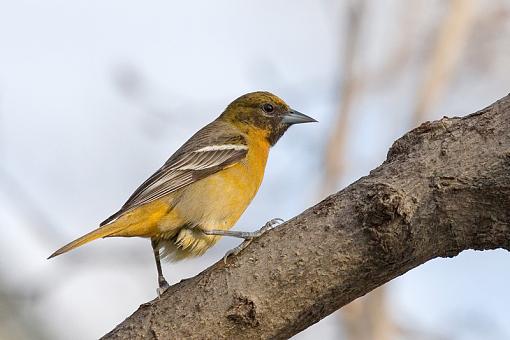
(163, 286)
(251, 236)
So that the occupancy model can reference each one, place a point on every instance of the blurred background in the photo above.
(95, 95)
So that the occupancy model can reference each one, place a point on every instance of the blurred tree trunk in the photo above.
(444, 188)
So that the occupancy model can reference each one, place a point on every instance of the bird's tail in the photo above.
(104, 231)
(142, 222)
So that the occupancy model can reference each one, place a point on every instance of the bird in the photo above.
(202, 190)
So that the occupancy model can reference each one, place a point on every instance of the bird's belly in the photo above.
(218, 201)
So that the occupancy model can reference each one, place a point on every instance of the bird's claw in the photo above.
(163, 286)
(268, 226)
(236, 250)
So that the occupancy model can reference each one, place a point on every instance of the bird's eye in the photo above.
(268, 108)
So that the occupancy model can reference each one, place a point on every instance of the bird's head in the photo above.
(264, 112)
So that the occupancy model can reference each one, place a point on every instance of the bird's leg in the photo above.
(248, 236)
(163, 285)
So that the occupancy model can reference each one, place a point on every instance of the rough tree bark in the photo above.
(444, 188)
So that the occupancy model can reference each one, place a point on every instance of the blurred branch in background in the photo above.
(448, 46)
(488, 45)
(368, 318)
(399, 57)
(157, 108)
(43, 226)
(132, 84)
(334, 158)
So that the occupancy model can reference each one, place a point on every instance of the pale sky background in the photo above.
(76, 140)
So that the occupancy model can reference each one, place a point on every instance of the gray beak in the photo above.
(295, 117)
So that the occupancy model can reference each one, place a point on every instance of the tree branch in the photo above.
(444, 188)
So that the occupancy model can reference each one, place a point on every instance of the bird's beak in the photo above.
(295, 117)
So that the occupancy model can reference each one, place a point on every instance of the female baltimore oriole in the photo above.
(206, 185)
